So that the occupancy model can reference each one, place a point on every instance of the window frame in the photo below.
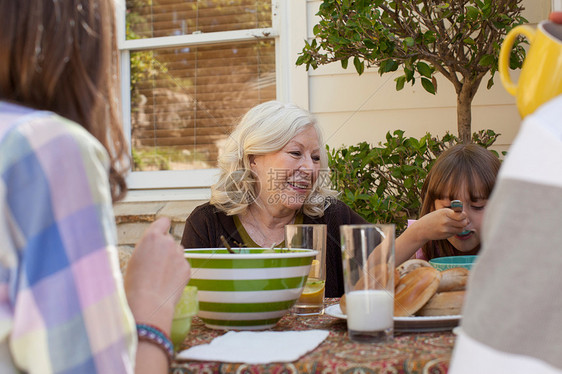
(288, 29)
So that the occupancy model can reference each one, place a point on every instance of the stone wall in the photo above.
(133, 218)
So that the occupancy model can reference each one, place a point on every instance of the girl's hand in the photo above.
(441, 224)
(156, 275)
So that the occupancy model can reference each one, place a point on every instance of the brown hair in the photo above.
(462, 165)
(62, 56)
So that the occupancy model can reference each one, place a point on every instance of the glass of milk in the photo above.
(368, 268)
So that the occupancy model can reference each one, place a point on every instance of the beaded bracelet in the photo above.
(153, 334)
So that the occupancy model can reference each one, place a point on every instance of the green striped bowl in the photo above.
(249, 290)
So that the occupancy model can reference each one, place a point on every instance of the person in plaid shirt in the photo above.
(64, 306)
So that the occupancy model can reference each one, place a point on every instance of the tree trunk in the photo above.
(464, 115)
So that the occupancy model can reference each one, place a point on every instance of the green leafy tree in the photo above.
(458, 38)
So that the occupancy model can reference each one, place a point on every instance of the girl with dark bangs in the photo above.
(465, 172)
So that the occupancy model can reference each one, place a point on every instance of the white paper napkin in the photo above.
(257, 347)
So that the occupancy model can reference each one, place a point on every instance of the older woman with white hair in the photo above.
(274, 172)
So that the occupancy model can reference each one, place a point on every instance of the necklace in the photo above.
(266, 241)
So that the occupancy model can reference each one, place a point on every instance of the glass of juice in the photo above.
(185, 309)
(310, 236)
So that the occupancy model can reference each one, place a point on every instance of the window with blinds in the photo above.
(185, 99)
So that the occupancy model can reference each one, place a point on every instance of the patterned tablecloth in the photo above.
(411, 352)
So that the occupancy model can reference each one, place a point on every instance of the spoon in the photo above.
(456, 205)
(228, 248)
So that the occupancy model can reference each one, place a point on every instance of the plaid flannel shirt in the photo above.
(62, 303)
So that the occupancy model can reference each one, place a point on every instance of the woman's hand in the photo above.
(156, 275)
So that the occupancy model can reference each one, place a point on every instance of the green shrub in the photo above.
(383, 184)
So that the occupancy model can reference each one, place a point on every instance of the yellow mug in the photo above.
(541, 75)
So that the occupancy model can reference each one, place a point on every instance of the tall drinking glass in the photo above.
(310, 236)
(368, 270)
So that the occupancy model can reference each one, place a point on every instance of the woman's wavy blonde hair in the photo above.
(264, 129)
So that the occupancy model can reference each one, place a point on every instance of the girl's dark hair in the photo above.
(62, 56)
(461, 166)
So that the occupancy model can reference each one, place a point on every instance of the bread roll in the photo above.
(410, 265)
(342, 304)
(414, 290)
(453, 280)
(443, 304)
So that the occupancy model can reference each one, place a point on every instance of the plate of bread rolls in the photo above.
(425, 299)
